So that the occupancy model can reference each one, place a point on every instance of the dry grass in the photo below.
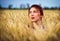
(14, 26)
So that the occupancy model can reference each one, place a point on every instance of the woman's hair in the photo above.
(37, 7)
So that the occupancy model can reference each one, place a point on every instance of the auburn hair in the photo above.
(37, 7)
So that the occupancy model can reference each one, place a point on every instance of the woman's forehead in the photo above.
(34, 8)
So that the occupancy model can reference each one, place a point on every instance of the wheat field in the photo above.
(14, 26)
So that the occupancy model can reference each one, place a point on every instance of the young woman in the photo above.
(35, 15)
(39, 29)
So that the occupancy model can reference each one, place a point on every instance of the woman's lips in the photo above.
(32, 17)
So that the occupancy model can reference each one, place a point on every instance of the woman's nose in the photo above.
(32, 14)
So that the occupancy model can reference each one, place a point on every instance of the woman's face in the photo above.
(34, 14)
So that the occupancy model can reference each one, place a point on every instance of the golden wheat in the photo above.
(14, 26)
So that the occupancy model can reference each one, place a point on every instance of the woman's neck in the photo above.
(38, 23)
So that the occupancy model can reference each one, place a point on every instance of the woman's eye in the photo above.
(34, 11)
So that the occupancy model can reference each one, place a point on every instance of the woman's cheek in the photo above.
(36, 15)
(30, 15)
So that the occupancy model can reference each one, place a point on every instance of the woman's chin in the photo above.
(33, 20)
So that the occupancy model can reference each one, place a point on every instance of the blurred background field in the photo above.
(14, 26)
